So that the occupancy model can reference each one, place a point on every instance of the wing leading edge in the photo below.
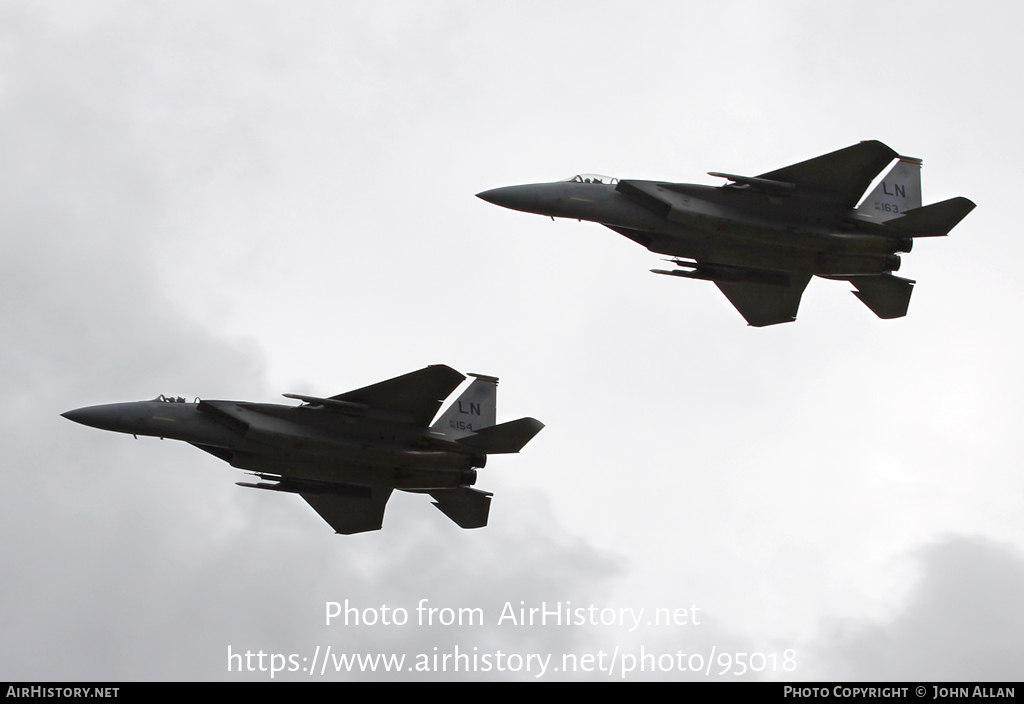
(842, 176)
(762, 296)
(418, 394)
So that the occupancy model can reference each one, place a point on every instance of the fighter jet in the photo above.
(345, 454)
(760, 239)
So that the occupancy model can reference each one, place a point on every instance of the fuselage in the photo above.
(302, 442)
(735, 226)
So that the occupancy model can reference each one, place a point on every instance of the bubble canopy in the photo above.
(591, 178)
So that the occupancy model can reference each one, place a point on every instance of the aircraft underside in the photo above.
(761, 238)
(738, 252)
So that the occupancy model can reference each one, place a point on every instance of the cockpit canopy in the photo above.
(169, 399)
(592, 178)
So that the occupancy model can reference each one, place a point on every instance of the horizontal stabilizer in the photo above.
(886, 295)
(932, 220)
(467, 507)
(504, 438)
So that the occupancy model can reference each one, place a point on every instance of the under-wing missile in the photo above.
(766, 183)
(710, 272)
(308, 486)
(330, 403)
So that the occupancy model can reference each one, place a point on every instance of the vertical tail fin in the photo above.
(898, 191)
(475, 409)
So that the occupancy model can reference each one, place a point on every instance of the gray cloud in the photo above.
(964, 621)
(139, 560)
(239, 199)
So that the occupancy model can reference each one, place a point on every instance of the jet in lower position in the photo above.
(345, 454)
(760, 239)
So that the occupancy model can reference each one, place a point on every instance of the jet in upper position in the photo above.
(761, 239)
(345, 454)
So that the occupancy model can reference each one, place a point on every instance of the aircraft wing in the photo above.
(762, 296)
(763, 304)
(351, 514)
(418, 394)
(466, 506)
(842, 176)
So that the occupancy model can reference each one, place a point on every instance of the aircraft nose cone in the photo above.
(493, 196)
(102, 417)
(525, 198)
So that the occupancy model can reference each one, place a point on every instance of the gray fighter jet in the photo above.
(761, 239)
(345, 454)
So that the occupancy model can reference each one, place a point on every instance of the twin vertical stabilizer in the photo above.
(897, 192)
(474, 410)
(470, 421)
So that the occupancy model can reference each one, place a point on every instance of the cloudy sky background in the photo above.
(241, 199)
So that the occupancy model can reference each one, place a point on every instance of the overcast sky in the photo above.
(242, 199)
